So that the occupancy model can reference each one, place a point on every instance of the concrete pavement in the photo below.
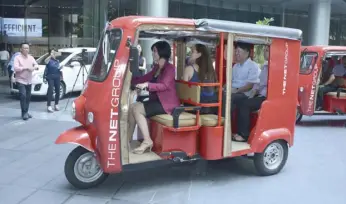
(31, 170)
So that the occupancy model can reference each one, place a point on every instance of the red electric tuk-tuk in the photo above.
(317, 63)
(102, 108)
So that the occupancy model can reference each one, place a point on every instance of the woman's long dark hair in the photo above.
(206, 71)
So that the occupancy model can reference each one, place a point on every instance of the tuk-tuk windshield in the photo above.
(307, 62)
(106, 52)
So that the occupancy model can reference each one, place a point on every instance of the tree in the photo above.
(258, 49)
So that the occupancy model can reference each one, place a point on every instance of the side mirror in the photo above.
(134, 64)
(74, 64)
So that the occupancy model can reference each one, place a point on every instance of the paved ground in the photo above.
(31, 170)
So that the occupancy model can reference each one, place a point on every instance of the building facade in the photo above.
(322, 21)
(51, 23)
(67, 23)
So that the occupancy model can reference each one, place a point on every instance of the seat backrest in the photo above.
(188, 92)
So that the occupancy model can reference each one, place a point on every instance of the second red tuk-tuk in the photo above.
(316, 70)
(102, 108)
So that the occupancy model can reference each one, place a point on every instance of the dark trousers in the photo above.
(10, 72)
(322, 91)
(25, 96)
(3, 66)
(236, 99)
(243, 114)
(53, 83)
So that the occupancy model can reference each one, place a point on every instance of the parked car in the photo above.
(70, 62)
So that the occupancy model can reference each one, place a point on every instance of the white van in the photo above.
(70, 62)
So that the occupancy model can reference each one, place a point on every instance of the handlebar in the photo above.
(145, 89)
(133, 87)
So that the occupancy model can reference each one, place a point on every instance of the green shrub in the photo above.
(258, 52)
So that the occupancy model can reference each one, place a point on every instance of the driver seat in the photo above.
(178, 131)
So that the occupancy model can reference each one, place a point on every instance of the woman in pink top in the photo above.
(163, 98)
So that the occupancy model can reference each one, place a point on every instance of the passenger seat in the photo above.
(210, 120)
(185, 119)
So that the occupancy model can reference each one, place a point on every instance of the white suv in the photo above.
(70, 62)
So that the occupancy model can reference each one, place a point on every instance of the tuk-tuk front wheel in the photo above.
(82, 169)
(273, 158)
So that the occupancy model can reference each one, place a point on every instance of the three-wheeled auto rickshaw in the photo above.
(102, 108)
(317, 63)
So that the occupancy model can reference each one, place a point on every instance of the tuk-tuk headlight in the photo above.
(73, 111)
(301, 89)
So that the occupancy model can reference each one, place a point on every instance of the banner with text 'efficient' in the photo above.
(20, 27)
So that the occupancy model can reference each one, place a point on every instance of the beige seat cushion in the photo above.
(210, 120)
(335, 94)
(185, 119)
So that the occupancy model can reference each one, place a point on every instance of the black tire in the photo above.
(71, 176)
(62, 90)
(260, 161)
(299, 115)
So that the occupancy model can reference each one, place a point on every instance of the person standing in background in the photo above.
(4, 57)
(142, 62)
(24, 64)
(52, 75)
(10, 68)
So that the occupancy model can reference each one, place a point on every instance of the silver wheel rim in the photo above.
(87, 169)
(273, 156)
(61, 91)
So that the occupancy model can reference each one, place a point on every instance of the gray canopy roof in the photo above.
(248, 29)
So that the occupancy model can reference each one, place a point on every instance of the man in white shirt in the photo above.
(331, 84)
(4, 57)
(245, 73)
(257, 95)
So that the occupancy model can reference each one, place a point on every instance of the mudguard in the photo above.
(77, 135)
(269, 136)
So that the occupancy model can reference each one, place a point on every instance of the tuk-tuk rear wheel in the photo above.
(272, 159)
(82, 170)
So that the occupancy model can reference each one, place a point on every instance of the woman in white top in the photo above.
(4, 57)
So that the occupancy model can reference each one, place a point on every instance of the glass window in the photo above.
(201, 11)
(106, 52)
(186, 10)
(214, 12)
(307, 62)
(48, 23)
(74, 23)
(90, 57)
(174, 9)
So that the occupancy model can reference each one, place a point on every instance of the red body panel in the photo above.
(308, 84)
(211, 142)
(77, 135)
(166, 140)
(330, 103)
(260, 143)
(307, 97)
(279, 109)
